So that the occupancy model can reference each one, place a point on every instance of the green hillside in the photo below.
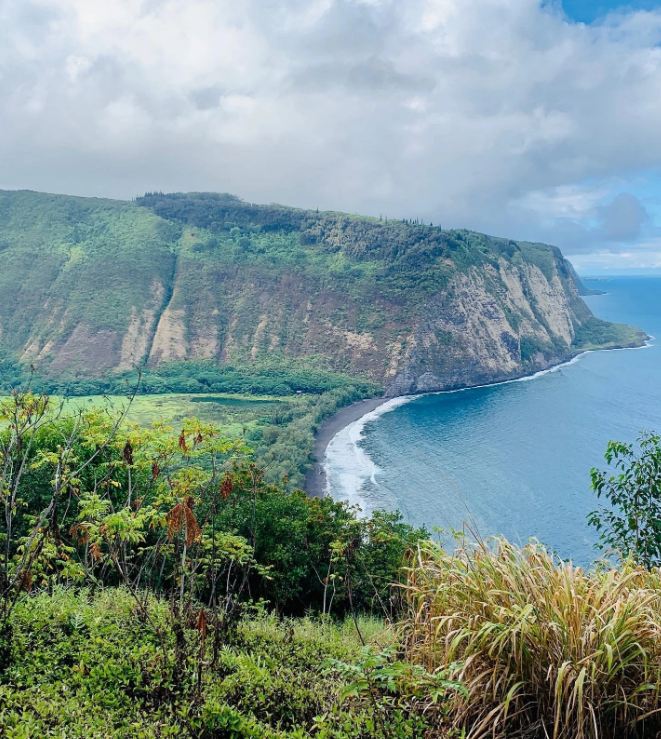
(211, 293)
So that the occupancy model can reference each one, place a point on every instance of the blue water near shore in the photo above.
(515, 458)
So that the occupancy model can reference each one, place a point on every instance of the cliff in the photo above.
(95, 287)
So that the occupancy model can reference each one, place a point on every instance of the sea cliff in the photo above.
(95, 288)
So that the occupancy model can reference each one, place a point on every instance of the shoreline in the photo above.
(315, 480)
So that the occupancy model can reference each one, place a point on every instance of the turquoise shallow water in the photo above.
(514, 458)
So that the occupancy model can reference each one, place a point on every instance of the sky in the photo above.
(531, 119)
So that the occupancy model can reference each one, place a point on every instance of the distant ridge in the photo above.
(94, 288)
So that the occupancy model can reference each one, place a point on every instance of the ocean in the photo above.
(515, 458)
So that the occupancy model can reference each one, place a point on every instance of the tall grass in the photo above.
(544, 649)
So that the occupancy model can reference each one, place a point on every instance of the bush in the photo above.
(89, 668)
(546, 649)
(631, 523)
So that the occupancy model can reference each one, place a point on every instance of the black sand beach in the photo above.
(315, 482)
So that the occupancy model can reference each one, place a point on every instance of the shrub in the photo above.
(89, 668)
(631, 523)
(546, 648)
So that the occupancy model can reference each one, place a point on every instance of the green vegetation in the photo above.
(89, 260)
(85, 666)
(134, 568)
(598, 334)
(110, 485)
(208, 293)
(239, 415)
(277, 376)
(631, 522)
(280, 430)
(153, 583)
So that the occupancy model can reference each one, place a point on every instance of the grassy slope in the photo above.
(77, 271)
(67, 260)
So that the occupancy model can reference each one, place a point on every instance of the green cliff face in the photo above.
(91, 287)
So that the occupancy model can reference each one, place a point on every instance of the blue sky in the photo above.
(588, 11)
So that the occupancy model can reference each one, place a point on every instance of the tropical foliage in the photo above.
(86, 665)
(169, 545)
(154, 583)
(542, 648)
(631, 522)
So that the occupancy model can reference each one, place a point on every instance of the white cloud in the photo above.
(499, 115)
(604, 261)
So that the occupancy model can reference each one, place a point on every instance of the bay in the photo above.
(512, 459)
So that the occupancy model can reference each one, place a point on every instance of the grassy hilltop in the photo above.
(274, 299)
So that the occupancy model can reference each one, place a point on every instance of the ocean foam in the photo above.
(352, 475)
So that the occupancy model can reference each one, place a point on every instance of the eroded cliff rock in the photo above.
(92, 287)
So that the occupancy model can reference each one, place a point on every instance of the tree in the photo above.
(33, 438)
(631, 524)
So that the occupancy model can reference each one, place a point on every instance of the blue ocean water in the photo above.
(512, 459)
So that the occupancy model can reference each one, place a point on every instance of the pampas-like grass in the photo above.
(545, 649)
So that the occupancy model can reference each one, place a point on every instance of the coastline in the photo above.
(315, 480)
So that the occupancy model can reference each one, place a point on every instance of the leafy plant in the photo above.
(631, 524)
(85, 666)
(378, 672)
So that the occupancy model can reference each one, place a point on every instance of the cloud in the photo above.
(623, 218)
(585, 219)
(500, 115)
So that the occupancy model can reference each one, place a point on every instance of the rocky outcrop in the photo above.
(473, 332)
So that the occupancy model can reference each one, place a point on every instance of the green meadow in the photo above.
(280, 430)
(237, 414)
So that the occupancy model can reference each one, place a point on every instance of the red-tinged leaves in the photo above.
(175, 520)
(201, 625)
(25, 581)
(226, 486)
(95, 551)
(155, 471)
(192, 529)
(198, 438)
(182, 441)
(180, 516)
(79, 533)
(127, 454)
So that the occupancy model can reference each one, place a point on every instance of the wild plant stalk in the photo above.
(24, 417)
(545, 649)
